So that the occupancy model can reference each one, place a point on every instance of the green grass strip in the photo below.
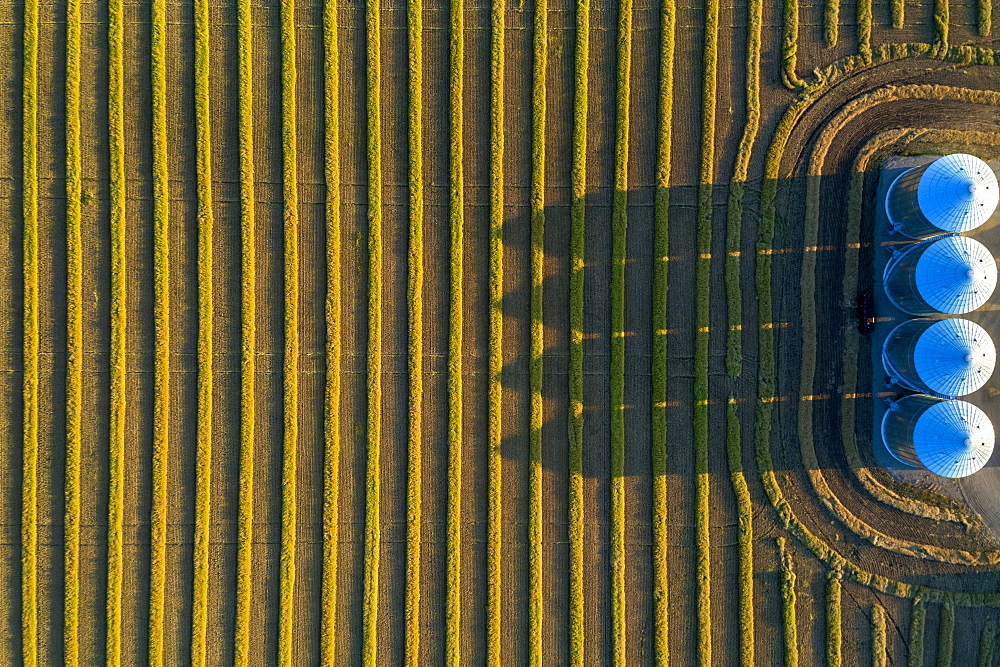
(206, 227)
(790, 46)
(897, 11)
(289, 464)
(116, 440)
(984, 17)
(879, 654)
(248, 336)
(453, 601)
(658, 363)
(789, 622)
(831, 22)
(74, 340)
(701, 319)
(619, 225)
(865, 22)
(942, 17)
(373, 529)
(494, 528)
(918, 619)
(536, 335)
(834, 613)
(161, 315)
(334, 325)
(946, 636)
(578, 223)
(987, 644)
(29, 484)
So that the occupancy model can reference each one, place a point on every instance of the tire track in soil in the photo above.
(476, 318)
(516, 321)
(680, 316)
(555, 299)
(51, 312)
(269, 253)
(136, 258)
(596, 455)
(644, 122)
(395, 238)
(724, 516)
(312, 331)
(436, 305)
(96, 325)
(181, 432)
(227, 332)
(354, 337)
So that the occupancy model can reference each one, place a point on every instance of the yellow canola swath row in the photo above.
(248, 343)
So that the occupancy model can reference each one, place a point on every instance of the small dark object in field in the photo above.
(866, 312)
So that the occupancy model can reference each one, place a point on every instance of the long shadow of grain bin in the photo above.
(556, 291)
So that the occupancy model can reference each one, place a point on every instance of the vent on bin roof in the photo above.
(954, 357)
(953, 438)
(956, 275)
(958, 192)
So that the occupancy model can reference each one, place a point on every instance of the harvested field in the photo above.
(500, 332)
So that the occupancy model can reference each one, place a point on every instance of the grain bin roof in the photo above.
(954, 357)
(953, 438)
(956, 274)
(958, 192)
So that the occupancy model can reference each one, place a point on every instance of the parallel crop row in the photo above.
(984, 17)
(415, 287)
(116, 444)
(658, 370)
(536, 341)
(331, 428)
(915, 646)
(831, 22)
(879, 654)
(289, 464)
(494, 459)
(161, 353)
(701, 322)
(833, 619)
(946, 636)
(206, 224)
(865, 22)
(897, 10)
(789, 620)
(74, 338)
(453, 602)
(373, 532)
(29, 488)
(619, 223)
(987, 644)
(790, 46)
(578, 220)
(942, 12)
(745, 539)
(248, 336)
